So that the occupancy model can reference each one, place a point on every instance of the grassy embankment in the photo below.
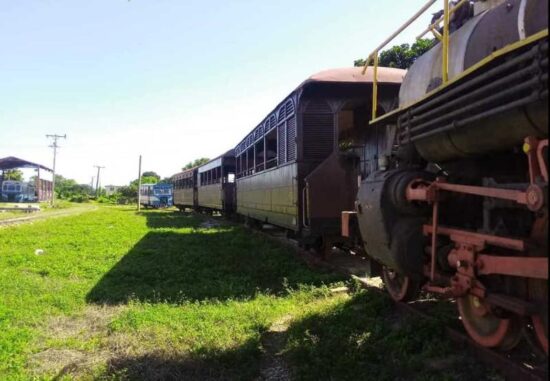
(157, 295)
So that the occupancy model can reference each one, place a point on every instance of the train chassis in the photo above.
(492, 319)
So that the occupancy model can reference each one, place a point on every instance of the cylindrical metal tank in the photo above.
(480, 36)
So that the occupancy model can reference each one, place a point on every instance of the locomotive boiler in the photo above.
(455, 203)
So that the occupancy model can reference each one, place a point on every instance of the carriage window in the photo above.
(271, 149)
(259, 154)
(230, 177)
(250, 161)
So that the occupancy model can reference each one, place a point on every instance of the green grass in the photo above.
(44, 208)
(154, 295)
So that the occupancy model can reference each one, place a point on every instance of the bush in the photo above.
(79, 198)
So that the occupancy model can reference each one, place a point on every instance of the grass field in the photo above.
(45, 208)
(159, 295)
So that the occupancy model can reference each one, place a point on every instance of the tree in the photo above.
(144, 180)
(151, 174)
(401, 56)
(128, 194)
(196, 163)
(13, 174)
(69, 189)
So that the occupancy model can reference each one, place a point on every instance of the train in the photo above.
(156, 195)
(17, 191)
(437, 175)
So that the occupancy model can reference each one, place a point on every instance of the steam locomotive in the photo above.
(444, 189)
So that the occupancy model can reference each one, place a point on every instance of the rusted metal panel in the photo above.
(331, 188)
(346, 219)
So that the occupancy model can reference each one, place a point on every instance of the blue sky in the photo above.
(171, 80)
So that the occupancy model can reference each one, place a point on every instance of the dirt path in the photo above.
(273, 365)
(45, 215)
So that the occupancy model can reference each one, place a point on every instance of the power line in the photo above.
(55, 146)
(99, 167)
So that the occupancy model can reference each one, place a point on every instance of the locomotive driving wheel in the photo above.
(400, 287)
(484, 327)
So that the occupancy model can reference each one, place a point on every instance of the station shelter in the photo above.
(43, 187)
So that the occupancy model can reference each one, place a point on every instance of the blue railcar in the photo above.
(156, 195)
(17, 191)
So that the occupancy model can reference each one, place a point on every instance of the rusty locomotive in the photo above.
(438, 174)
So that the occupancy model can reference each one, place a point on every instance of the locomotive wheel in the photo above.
(485, 328)
(538, 290)
(400, 287)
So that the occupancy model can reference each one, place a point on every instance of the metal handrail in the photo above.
(443, 38)
(432, 27)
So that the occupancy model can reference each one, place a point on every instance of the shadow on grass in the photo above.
(170, 219)
(241, 363)
(222, 264)
(366, 339)
(360, 339)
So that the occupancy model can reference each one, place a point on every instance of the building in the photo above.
(111, 189)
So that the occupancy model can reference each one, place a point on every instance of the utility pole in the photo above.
(99, 167)
(139, 186)
(92, 185)
(55, 147)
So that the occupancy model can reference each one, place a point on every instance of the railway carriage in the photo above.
(216, 184)
(289, 169)
(156, 195)
(185, 189)
(17, 191)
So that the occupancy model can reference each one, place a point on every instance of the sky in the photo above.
(171, 80)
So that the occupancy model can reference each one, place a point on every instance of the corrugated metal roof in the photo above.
(12, 162)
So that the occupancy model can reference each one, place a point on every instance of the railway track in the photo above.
(38, 217)
(524, 363)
